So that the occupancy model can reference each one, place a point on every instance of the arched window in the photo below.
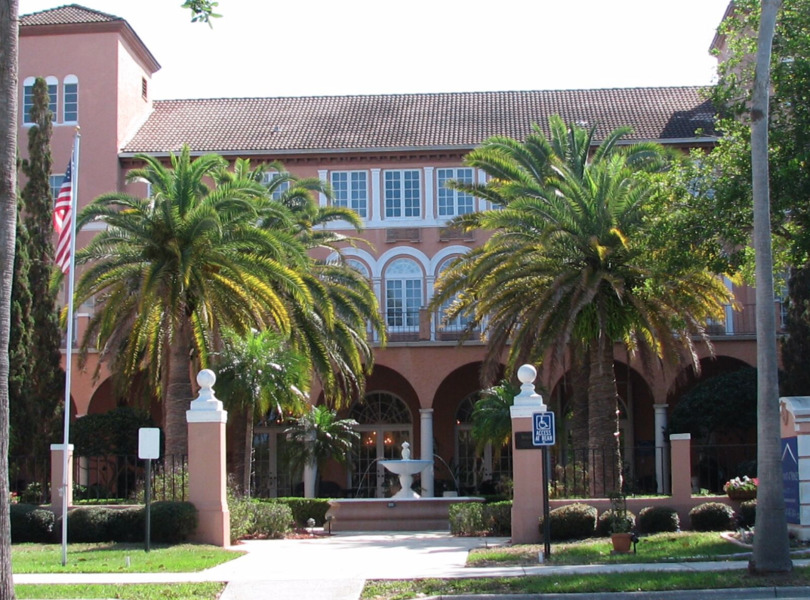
(403, 295)
(70, 99)
(384, 423)
(457, 323)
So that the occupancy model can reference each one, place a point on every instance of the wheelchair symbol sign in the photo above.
(543, 429)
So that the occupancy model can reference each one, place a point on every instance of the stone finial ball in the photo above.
(527, 374)
(206, 378)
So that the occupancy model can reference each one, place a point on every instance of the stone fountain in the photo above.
(406, 468)
(404, 511)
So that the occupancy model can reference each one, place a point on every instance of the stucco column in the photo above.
(527, 465)
(207, 478)
(661, 459)
(310, 470)
(680, 445)
(426, 445)
(57, 464)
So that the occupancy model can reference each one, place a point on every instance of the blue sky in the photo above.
(323, 47)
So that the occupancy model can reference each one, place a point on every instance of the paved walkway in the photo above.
(335, 568)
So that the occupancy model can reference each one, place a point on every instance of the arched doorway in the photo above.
(384, 423)
(477, 471)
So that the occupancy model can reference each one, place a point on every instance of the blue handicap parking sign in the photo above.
(543, 429)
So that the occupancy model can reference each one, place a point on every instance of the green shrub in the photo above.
(467, 518)
(173, 522)
(304, 509)
(31, 524)
(253, 518)
(712, 516)
(747, 514)
(605, 521)
(272, 520)
(127, 524)
(656, 519)
(572, 522)
(89, 524)
(32, 494)
(498, 518)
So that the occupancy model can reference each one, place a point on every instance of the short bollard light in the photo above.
(311, 524)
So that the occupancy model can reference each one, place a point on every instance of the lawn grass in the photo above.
(660, 547)
(117, 558)
(588, 583)
(175, 591)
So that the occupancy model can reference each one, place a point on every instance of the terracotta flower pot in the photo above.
(621, 542)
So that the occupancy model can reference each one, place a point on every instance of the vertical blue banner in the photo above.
(790, 478)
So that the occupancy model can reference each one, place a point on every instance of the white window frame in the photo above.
(355, 194)
(278, 192)
(450, 202)
(72, 115)
(398, 196)
(404, 295)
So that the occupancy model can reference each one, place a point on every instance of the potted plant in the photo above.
(741, 489)
(621, 524)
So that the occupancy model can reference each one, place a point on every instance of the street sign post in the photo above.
(543, 435)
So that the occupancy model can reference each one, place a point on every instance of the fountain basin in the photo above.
(392, 514)
(406, 469)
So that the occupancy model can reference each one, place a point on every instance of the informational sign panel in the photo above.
(148, 442)
(790, 478)
(543, 429)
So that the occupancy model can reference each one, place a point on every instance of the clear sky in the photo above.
(330, 47)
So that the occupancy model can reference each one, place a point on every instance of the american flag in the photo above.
(62, 219)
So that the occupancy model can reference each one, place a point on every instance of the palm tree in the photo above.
(319, 435)
(172, 270)
(257, 374)
(333, 332)
(569, 262)
(771, 551)
(491, 420)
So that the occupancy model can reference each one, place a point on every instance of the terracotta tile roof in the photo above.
(413, 121)
(70, 14)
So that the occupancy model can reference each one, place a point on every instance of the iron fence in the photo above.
(713, 465)
(118, 478)
(29, 478)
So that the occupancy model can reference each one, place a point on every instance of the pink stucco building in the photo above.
(387, 157)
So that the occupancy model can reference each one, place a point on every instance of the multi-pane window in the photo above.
(453, 202)
(28, 97)
(70, 100)
(403, 294)
(55, 183)
(457, 323)
(278, 187)
(351, 191)
(402, 193)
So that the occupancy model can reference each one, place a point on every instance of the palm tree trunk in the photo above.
(247, 449)
(603, 443)
(9, 31)
(580, 366)
(771, 549)
(178, 394)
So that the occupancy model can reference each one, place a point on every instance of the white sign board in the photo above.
(543, 429)
(149, 442)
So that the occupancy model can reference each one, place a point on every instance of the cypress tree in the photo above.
(19, 347)
(42, 407)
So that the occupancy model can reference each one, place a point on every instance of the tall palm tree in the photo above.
(258, 373)
(569, 262)
(174, 269)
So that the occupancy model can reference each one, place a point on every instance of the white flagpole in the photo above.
(69, 340)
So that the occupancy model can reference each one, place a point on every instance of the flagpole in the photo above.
(69, 339)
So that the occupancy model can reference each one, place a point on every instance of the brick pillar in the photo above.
(207, 478)
(527, 465)
(57, 466)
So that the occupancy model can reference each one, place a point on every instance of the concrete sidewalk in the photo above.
(335, 568)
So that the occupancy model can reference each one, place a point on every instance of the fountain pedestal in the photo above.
(404, 511)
